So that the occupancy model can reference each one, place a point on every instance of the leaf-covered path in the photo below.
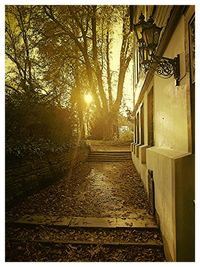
(104, 189)
(98, 213)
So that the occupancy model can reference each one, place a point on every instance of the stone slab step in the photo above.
(109, 156)
(29, 251)
(147, 222)
(153, 243)
(106, 160)
(110, 152)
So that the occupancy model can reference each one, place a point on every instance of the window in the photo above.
(137, 129)
(192, 79)
(150, 118)
(192, 48)
(142, 124)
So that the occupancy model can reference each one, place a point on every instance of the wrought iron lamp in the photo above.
(148, 35)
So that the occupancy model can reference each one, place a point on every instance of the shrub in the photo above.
(34, 127)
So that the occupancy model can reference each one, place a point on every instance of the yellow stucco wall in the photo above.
(170, 102)
(185, 208)
(170, 160)
(168, 179)
(162, 166)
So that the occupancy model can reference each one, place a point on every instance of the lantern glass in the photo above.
(151, 36)
(144, 55)
(138, 31)
(157, 31)
(139, 27)
(148, 36)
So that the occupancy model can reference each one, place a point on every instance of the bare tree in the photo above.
(82, 24)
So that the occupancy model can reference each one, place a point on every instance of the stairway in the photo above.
(47, 238)
(109, 156)
(133, 237)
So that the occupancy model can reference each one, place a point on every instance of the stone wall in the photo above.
(25, 176)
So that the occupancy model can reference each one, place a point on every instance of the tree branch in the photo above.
(11, 87)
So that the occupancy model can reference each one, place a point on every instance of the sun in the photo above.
(88, 98)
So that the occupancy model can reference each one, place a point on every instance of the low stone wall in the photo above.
(25, 176)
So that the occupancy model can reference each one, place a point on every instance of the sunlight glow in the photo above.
(88, 98)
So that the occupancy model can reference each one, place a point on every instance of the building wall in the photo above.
(171, 102)
(185, 208)
(169, 156)
(174, 194)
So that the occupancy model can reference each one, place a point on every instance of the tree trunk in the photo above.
(110, 126)
(109, 81)
(98, 70)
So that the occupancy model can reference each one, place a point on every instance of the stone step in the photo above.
(151, 243)
(112, 156)
(109, 153)
(53, 238)
(83, 234)
(146, 222)
(45, 250)
(118, 154)
(106, 160)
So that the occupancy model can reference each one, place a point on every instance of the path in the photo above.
(100, 210)
(105, 189)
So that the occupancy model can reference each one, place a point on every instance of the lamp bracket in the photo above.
(164, 67)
